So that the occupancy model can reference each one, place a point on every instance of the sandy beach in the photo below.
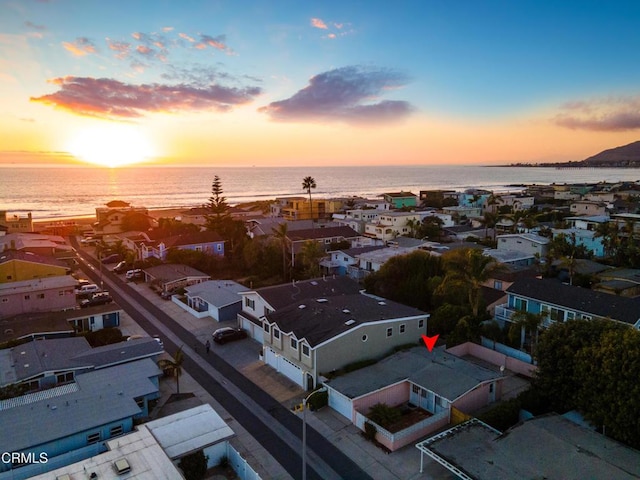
(84, 220)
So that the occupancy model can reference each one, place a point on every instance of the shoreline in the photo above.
(90, 219)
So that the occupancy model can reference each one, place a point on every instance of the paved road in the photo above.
(273, 426)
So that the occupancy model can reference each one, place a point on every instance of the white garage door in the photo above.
(254, 331)
(284, 366)
(340, 403)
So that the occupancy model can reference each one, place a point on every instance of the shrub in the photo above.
(370, 431)
(318, 400)
(384, 415)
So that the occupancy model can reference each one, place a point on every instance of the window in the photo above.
(250, 302)
(389, 331)
(294, 343)
(198, 248)
(115, 431)
(421, 323)
(9, 277)
(27, 297)
(415, 389)
(219, 247)
(497, 284)
(276, 333)
(520, 304)
(93, 438)
(585, 317)
(267, 311)
(41, 295)
(65, 377)
(402, 328)
(5, 300)
(305, 350)
(61, 293)
(266, 327)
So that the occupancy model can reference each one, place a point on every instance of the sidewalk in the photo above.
(403, 464)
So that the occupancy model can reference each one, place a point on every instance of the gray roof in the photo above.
(319, 321)
(65, 354)
(217, 292)
(102, 396)
(352, 252)
(171, 272)
(444, 374)
(549, 446)
(280, 296)
(38, 284)
(580, 299)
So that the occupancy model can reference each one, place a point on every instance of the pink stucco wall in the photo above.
(493, 357)
(478, 398)
(392, 396)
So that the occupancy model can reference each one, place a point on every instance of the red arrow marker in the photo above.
(430, 342)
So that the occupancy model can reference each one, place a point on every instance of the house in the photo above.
(400, 199)
(60, 324)
(315, 336)
(258, 303)
(473, 197)
(79, 416)
(37, 295)
(624, 220)
(372, 260)
(526, 243)
(324, 236)
(154, 449)
(619, 281)
(588, 238)
(158, 244)
(585, 207)
(111, 219)
(299, 208)
(170, 276)
(460, 212)
(389, 225)
(514, 201)
(561, 303)
(16, 223)
(548, 446)
(16, 266)
(435, 382)
(218, 299)
(339, 261)
(45, 363)
(46, 245)
(266, 226)
(512, 257)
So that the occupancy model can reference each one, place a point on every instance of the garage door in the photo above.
(285, 367)
(254, 331)
(340, 403)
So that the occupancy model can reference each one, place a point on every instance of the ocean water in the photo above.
(60, 191)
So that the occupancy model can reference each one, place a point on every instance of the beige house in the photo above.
(110, 219)
(315, 336)
(16, 223)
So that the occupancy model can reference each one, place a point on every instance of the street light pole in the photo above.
(304, 430)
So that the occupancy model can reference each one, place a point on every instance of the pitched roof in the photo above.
(279, 296)
(320, 319)
(191, 238)
(441, 372)
(10, 255)
(324, 232)
(171, 272)
(600, 304)
(218, 293)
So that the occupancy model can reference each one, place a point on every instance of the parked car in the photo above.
(228, 334)
(121, 267)
(166, 295)
(88, 241)
(101, 298)
(90, 288)
(113, 258)
(132, 274)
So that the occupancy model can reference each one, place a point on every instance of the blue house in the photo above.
(218, 299)
(400, 199)
(561, 303)
(71, 422)
(159, 244)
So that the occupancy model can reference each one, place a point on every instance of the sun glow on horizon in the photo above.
(111, 145)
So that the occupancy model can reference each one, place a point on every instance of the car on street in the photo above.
(121, 267)
(113, 258)
(88, 288)
(228, 334)
(101, 298)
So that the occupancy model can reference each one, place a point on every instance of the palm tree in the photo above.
(281, 234)
(524, 322)
(307, 184)
(174, 366)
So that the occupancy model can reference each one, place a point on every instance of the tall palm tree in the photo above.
(174, 366)
(281, 234)
(307, 184)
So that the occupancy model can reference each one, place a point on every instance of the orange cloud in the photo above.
(318, 23)
(80, 47)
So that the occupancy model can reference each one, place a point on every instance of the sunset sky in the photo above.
(317, 82)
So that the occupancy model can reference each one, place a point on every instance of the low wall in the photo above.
(494, 357)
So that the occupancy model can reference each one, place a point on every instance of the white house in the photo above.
(528, 243)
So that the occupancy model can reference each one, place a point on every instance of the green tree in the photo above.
(281, 234)
(307, 184)
(194, 465)
(471, 268)
(136, 221)
(174, 366)
(175, 227)
(525, 323)
(310, 255)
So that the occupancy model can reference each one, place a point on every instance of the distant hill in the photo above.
(625, 156)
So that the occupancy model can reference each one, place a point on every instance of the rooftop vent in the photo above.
(301, 307)
(122, 466)
(350, 322)
(346, 310)
(314, 283)
(322, 300)
(382, 303)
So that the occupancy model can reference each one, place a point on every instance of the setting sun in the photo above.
(111, 145)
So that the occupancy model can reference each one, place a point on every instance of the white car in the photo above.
(90, 288)
(131, 274)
